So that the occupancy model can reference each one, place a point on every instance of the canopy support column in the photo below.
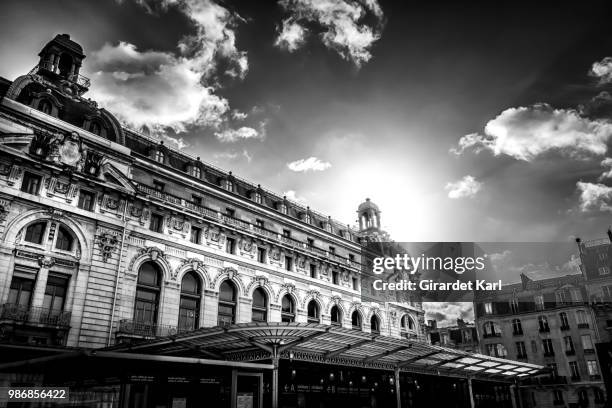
(472, 402)
(398, 395)
(275, 360)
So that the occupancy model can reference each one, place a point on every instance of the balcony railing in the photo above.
(144, 329)
(243, 225)
(34, 315)
(79, 79)
(570, 352)
(583, 325)
(488, 335)
(544, 329)
(564, 327)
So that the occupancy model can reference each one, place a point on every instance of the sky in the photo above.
(463, 121)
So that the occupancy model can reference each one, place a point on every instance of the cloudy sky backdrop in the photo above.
(480, 121)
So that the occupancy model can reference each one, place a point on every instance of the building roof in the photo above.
(331, 345)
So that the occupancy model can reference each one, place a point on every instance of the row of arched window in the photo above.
(148, 290)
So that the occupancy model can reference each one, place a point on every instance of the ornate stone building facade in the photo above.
(548, 322)
(108, 236)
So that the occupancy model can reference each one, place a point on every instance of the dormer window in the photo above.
(229, 185)
(95, 128)
(196, 172)
(159, 156)
(307, 218)
(283, 208)
(45, 106)
(257, 197)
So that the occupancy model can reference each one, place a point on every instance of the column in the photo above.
(275, 377)
(40, 285)
(472, 403)
(398, 395)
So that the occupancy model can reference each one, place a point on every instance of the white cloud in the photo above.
(607, 162)
(237, 115)
(292, 195)
(234, 135)
(467, 187)
(248, 156)
(602, 70)
(291, 35)
(344, 25)
(161, 89)
(309, 164)
(527, 132)
(594, 197)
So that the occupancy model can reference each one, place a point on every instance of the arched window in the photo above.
(229, 185)
(356, 320)
(517, 327)
(307, 219)
(260, 309)
(34, 233)
(287, 309)
(64, 241)
(375, 324)
(189, 308)
(95, 128)
(313, 312)
(159, 156)
(45, 106)
(257, 197)
(336, 316)
(65, 65)
(227, 303)
(407, 323)
(148, 289)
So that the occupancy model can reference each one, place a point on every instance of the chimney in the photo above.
(432, 324)
(460, 322)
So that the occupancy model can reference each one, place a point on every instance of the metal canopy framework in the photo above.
(332, 345)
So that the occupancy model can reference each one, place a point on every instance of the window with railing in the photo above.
(593, 370)
(543, 324)
(582, 319)
(547, 345)
(148, 288)
(587, 344)
(189, 307)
